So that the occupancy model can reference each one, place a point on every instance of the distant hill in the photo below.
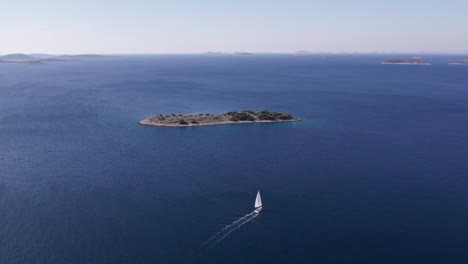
(17, 57)
(41, 55)
(242, 53)
(39, 58)
(213, 53)
(80, 56)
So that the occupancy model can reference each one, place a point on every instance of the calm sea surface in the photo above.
(377, 172)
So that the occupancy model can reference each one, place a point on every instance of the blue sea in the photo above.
(376, 172)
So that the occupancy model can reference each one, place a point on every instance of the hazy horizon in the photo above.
(301, 52)
(180, 27)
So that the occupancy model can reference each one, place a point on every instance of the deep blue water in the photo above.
(376, 172)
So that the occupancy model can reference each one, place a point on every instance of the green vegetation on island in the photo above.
(243, 117)
(249, 115)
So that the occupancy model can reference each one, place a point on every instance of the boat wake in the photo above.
(236, 226)
(228, 229)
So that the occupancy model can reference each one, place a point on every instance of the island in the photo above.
(407, 62)
(229, 118)
(464, 62)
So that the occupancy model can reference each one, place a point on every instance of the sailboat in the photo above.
(258, 203)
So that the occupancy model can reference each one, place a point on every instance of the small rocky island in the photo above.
(464, 62)
(407, 62)
(244, 117)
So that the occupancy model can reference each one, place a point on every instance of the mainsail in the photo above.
(258, 200)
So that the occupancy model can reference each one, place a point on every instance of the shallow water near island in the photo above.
(375, 173)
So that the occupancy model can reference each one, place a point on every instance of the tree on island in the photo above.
(266, 115)
(182, 122)
(243, 116)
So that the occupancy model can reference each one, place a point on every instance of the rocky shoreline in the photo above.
(230, 118)
(147, 122)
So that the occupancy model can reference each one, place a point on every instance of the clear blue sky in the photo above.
(176, 26)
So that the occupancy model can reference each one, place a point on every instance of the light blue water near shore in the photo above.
(376, 172)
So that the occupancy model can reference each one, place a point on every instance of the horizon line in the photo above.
(299, 52)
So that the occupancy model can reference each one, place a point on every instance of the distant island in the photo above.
(306, 52)
(229, 118)
(407, 62)
(44, 58)
(236, 53)
(213, 53)
(464, 62)
(242, 53)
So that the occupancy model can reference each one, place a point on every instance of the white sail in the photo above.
(258, 200)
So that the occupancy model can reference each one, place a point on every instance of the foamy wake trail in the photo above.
(235, 227)
(223, 233)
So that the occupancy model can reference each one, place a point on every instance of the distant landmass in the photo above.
(229, 118)
(80, 56)
(213, 53)
(306, 52)
(463, 62)
(41, 55)
(228, 53)
(242, 53)
(416, 61)
(17, 57)
(44, 58)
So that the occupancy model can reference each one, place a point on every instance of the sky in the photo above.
(176, 26)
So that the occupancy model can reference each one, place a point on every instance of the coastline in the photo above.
(148, 122)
